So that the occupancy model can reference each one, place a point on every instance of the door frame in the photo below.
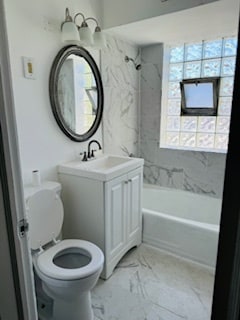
(10, 303)
(11, 181)
(226, 296)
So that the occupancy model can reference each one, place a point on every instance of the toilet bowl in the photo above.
(69, 268)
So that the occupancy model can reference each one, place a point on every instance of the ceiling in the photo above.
(215, 19)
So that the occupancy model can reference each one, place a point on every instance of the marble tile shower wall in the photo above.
(121, 95)
(199, 172)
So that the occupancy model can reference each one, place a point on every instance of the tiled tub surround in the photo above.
(125, 131)
(195, 171)
(121, 98)
(149, 284)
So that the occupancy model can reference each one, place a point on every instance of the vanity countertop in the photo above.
(104, 168)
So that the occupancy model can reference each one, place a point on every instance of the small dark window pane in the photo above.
(199, 96)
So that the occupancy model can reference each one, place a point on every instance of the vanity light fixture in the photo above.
(81, 35)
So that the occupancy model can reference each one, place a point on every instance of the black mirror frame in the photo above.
(53, 92)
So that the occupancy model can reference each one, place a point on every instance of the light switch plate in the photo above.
(29, 68)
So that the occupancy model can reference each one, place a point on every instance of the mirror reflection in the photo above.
(77, 94)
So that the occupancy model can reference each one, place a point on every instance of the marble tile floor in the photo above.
(149, 284)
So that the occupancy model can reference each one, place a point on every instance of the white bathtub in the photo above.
(182, 223)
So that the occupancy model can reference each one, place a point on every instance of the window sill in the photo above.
(224, 151)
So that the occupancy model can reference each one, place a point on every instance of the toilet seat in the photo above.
(45, 260)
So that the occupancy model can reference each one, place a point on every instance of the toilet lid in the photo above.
(44, 211)
(91, 256)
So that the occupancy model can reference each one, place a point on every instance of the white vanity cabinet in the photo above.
(123, 216)
(107, 213)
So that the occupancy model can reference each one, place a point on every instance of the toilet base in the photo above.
(79, 309)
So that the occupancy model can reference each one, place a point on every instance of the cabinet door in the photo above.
(115, 215)
(134, 213)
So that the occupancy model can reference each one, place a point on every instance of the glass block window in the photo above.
(229, 47)
(201, 59)
(192, 70)
(193, 51)
(212, 49)
(176, 54)
(211, 68)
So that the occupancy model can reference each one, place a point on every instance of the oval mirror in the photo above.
(76, 93)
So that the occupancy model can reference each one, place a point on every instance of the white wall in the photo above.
(34, 31)
(123, 12)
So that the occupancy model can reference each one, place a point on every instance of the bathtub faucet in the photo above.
(91, 153)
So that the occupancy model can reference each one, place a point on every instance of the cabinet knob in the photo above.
(126, 182)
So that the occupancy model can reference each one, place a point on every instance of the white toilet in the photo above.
(68, 269)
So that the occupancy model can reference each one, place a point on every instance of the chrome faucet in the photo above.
(90, 153)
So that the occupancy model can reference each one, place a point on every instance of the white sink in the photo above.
(103, 168)
(106, 163)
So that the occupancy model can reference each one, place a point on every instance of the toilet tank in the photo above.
(30, 190)
(44, 212)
